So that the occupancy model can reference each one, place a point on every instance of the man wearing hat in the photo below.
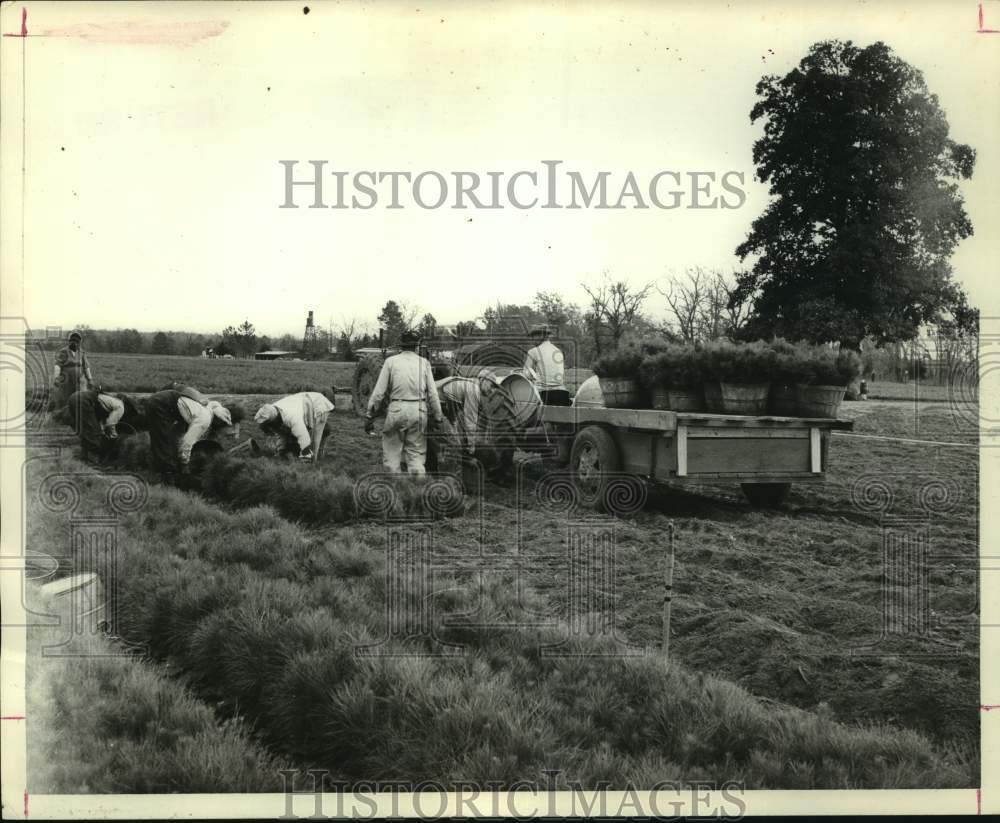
(72, 372)
(176, 422)
(463, 402)
(546, 361)
(406, 382)
(300, 419)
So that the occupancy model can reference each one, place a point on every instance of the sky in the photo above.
(153, 135)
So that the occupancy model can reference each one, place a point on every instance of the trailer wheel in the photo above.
(766, 495)
(593, 462)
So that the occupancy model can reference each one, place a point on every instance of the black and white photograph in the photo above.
(499, 409)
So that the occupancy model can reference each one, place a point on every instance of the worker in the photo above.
(546, 361)
(482, 414)
(463, 403)
(300, 418)
(406, 382)
(95, 416)
(176, 422)
(71, 373)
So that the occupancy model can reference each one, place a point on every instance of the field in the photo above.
(258, 594)
(144, 373)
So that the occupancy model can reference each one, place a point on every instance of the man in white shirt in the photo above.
(407, 383)
(546, 361)
(300, 419)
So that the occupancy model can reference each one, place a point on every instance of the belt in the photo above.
(401, 400)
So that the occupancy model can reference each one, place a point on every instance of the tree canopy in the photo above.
(865, 210)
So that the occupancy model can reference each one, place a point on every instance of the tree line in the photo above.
(852, 249)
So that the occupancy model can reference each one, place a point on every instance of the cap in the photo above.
(265, 413)
(75, 335)
(220, 411)
(410, 338)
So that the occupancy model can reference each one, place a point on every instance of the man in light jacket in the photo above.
(546, 361)
(176, 422)
(406, 381)
(300, 418)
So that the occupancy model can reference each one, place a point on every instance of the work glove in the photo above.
(369, 425)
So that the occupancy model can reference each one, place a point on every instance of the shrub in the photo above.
(623, 361)
(675, 365)
(831, 367)
(727, 362)
(310, 494)
(282, 642)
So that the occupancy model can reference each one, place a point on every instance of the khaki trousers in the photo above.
(405, 435)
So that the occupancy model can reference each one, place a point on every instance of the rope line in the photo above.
(905, 440)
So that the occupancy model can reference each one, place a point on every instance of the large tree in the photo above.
(865, 210)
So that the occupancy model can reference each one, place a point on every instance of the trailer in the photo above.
(765, 454)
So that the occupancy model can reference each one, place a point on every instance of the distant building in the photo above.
(276, 354)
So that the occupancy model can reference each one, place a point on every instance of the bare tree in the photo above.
(704, 305)
(686, 300)
(614, 307)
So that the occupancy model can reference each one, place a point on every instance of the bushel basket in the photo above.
(745, 398)
(783, 402)
(678, 398)
(620, 392)
(819, 401)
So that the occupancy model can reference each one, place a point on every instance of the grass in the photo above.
(147, 373)
(112, 724)
(265, 617)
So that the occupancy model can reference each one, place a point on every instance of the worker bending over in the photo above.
(464, 402)
(406, 382)
(187, 391)
(95, 417)
(300, 418)
(546, 361)
(176, 422)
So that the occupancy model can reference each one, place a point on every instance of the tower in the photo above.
(309, 338)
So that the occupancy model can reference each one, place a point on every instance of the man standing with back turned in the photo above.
(407, 382)
(546, 361)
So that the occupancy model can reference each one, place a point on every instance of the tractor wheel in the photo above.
(593, 461)
(766, 495)
(365, 375)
